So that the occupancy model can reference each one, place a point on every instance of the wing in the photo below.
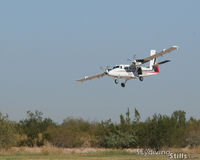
(165, 51)
(92, 77)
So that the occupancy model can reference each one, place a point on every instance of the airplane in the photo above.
(135, 70)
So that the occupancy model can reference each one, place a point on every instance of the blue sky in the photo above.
(46, 45)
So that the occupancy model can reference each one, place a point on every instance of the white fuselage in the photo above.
(127, 72)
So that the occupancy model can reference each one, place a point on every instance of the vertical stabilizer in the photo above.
(153, 61)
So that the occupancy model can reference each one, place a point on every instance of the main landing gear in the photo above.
(116, 81)
(123, 85)
(141, 78)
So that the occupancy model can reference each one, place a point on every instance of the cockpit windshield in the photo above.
(115, 67)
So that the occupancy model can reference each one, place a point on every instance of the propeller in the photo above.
(101, 68)
(136, 62)
(133, 59)
(105, 70)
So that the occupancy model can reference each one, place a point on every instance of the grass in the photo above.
(75, 154)
(102, 156)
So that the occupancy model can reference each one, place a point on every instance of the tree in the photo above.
(34, 126)
(136, 116)
(61, 136)
(179, 117)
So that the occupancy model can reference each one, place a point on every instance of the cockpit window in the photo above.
(115, 67)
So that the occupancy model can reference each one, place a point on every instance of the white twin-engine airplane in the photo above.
(134, 70)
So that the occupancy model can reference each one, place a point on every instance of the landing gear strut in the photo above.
(116, 81)
(141, 78)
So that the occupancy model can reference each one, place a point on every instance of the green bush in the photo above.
(62, 137)
(155, 132)
(34, 127)
(8, 134)
(120, 140)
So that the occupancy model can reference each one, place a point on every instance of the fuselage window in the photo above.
(115, 67)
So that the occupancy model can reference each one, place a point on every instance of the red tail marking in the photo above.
(156, 68)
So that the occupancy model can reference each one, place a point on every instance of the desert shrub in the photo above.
(193, 132)
(155, 132)
(34, 127)
(62, 137)
(121, 135)
(73, 133)
(77, 124)
(193, 138)
(162, 131)
(8, 134)
(120, 139)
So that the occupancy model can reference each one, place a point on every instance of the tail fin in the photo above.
(156, 68)
(153, 61)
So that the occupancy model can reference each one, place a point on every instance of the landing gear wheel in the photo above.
(116, 81)
(122, 84)
(141, 78)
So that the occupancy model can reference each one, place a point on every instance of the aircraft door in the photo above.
(139, 71)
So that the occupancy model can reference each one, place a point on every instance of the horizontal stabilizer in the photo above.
(164, 62)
